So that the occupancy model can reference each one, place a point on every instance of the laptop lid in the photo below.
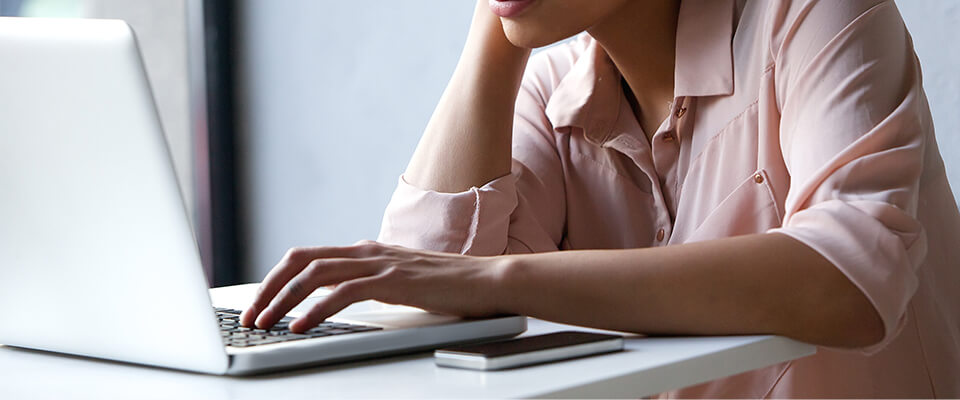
(97, 256)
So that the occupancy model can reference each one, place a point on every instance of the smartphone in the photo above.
(528, 350)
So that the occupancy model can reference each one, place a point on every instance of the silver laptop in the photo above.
(97, 254)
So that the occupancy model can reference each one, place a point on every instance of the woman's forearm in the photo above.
(765, 283)
(467, 141)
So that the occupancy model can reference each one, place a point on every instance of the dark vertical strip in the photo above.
(224, 207)
(10, 8)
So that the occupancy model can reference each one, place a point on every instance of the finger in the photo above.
(292, 263)
(347, 293)
(289, 266)
(318, 273)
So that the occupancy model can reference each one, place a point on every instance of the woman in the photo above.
(748, 167)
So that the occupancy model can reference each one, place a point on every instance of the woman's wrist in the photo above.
(505, 283)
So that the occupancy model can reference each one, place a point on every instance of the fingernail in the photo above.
(247, 314)
(295, 325)
(262, 319)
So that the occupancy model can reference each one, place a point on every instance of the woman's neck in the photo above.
(641, 42)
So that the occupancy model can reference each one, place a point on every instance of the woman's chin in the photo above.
(531, 38)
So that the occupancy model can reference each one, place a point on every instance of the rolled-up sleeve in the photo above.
(521, 212)
(470, 222)
(853, 130)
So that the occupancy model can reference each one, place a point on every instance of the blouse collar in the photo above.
(590, 95)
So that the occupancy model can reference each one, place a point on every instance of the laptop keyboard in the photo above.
(235, 335)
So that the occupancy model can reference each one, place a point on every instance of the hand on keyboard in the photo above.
(441, 282)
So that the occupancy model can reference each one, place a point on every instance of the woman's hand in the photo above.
(439, 282)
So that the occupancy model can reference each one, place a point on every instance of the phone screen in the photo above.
(531, 343)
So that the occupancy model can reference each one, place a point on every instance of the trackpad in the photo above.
(398, 318)
(380, 314)
(363, 306)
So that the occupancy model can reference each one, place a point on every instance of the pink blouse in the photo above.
(806, 118)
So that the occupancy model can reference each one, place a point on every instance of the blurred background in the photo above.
(290, 121)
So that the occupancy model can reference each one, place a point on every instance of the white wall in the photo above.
(336, 94)
(935, 25)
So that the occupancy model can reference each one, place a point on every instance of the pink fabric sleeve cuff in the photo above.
(473, 222)
(875, 245)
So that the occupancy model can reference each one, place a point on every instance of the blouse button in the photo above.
(660, 234)
(681, 111)
(668, 137)
(758, 178)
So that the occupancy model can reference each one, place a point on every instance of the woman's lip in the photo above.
(509, 8)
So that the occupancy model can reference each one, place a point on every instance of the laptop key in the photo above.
(268, 340)
(262, 340)
(294, 336)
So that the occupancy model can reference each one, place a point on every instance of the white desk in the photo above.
(648, 366)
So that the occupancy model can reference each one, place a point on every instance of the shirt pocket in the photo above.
(750, 208)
